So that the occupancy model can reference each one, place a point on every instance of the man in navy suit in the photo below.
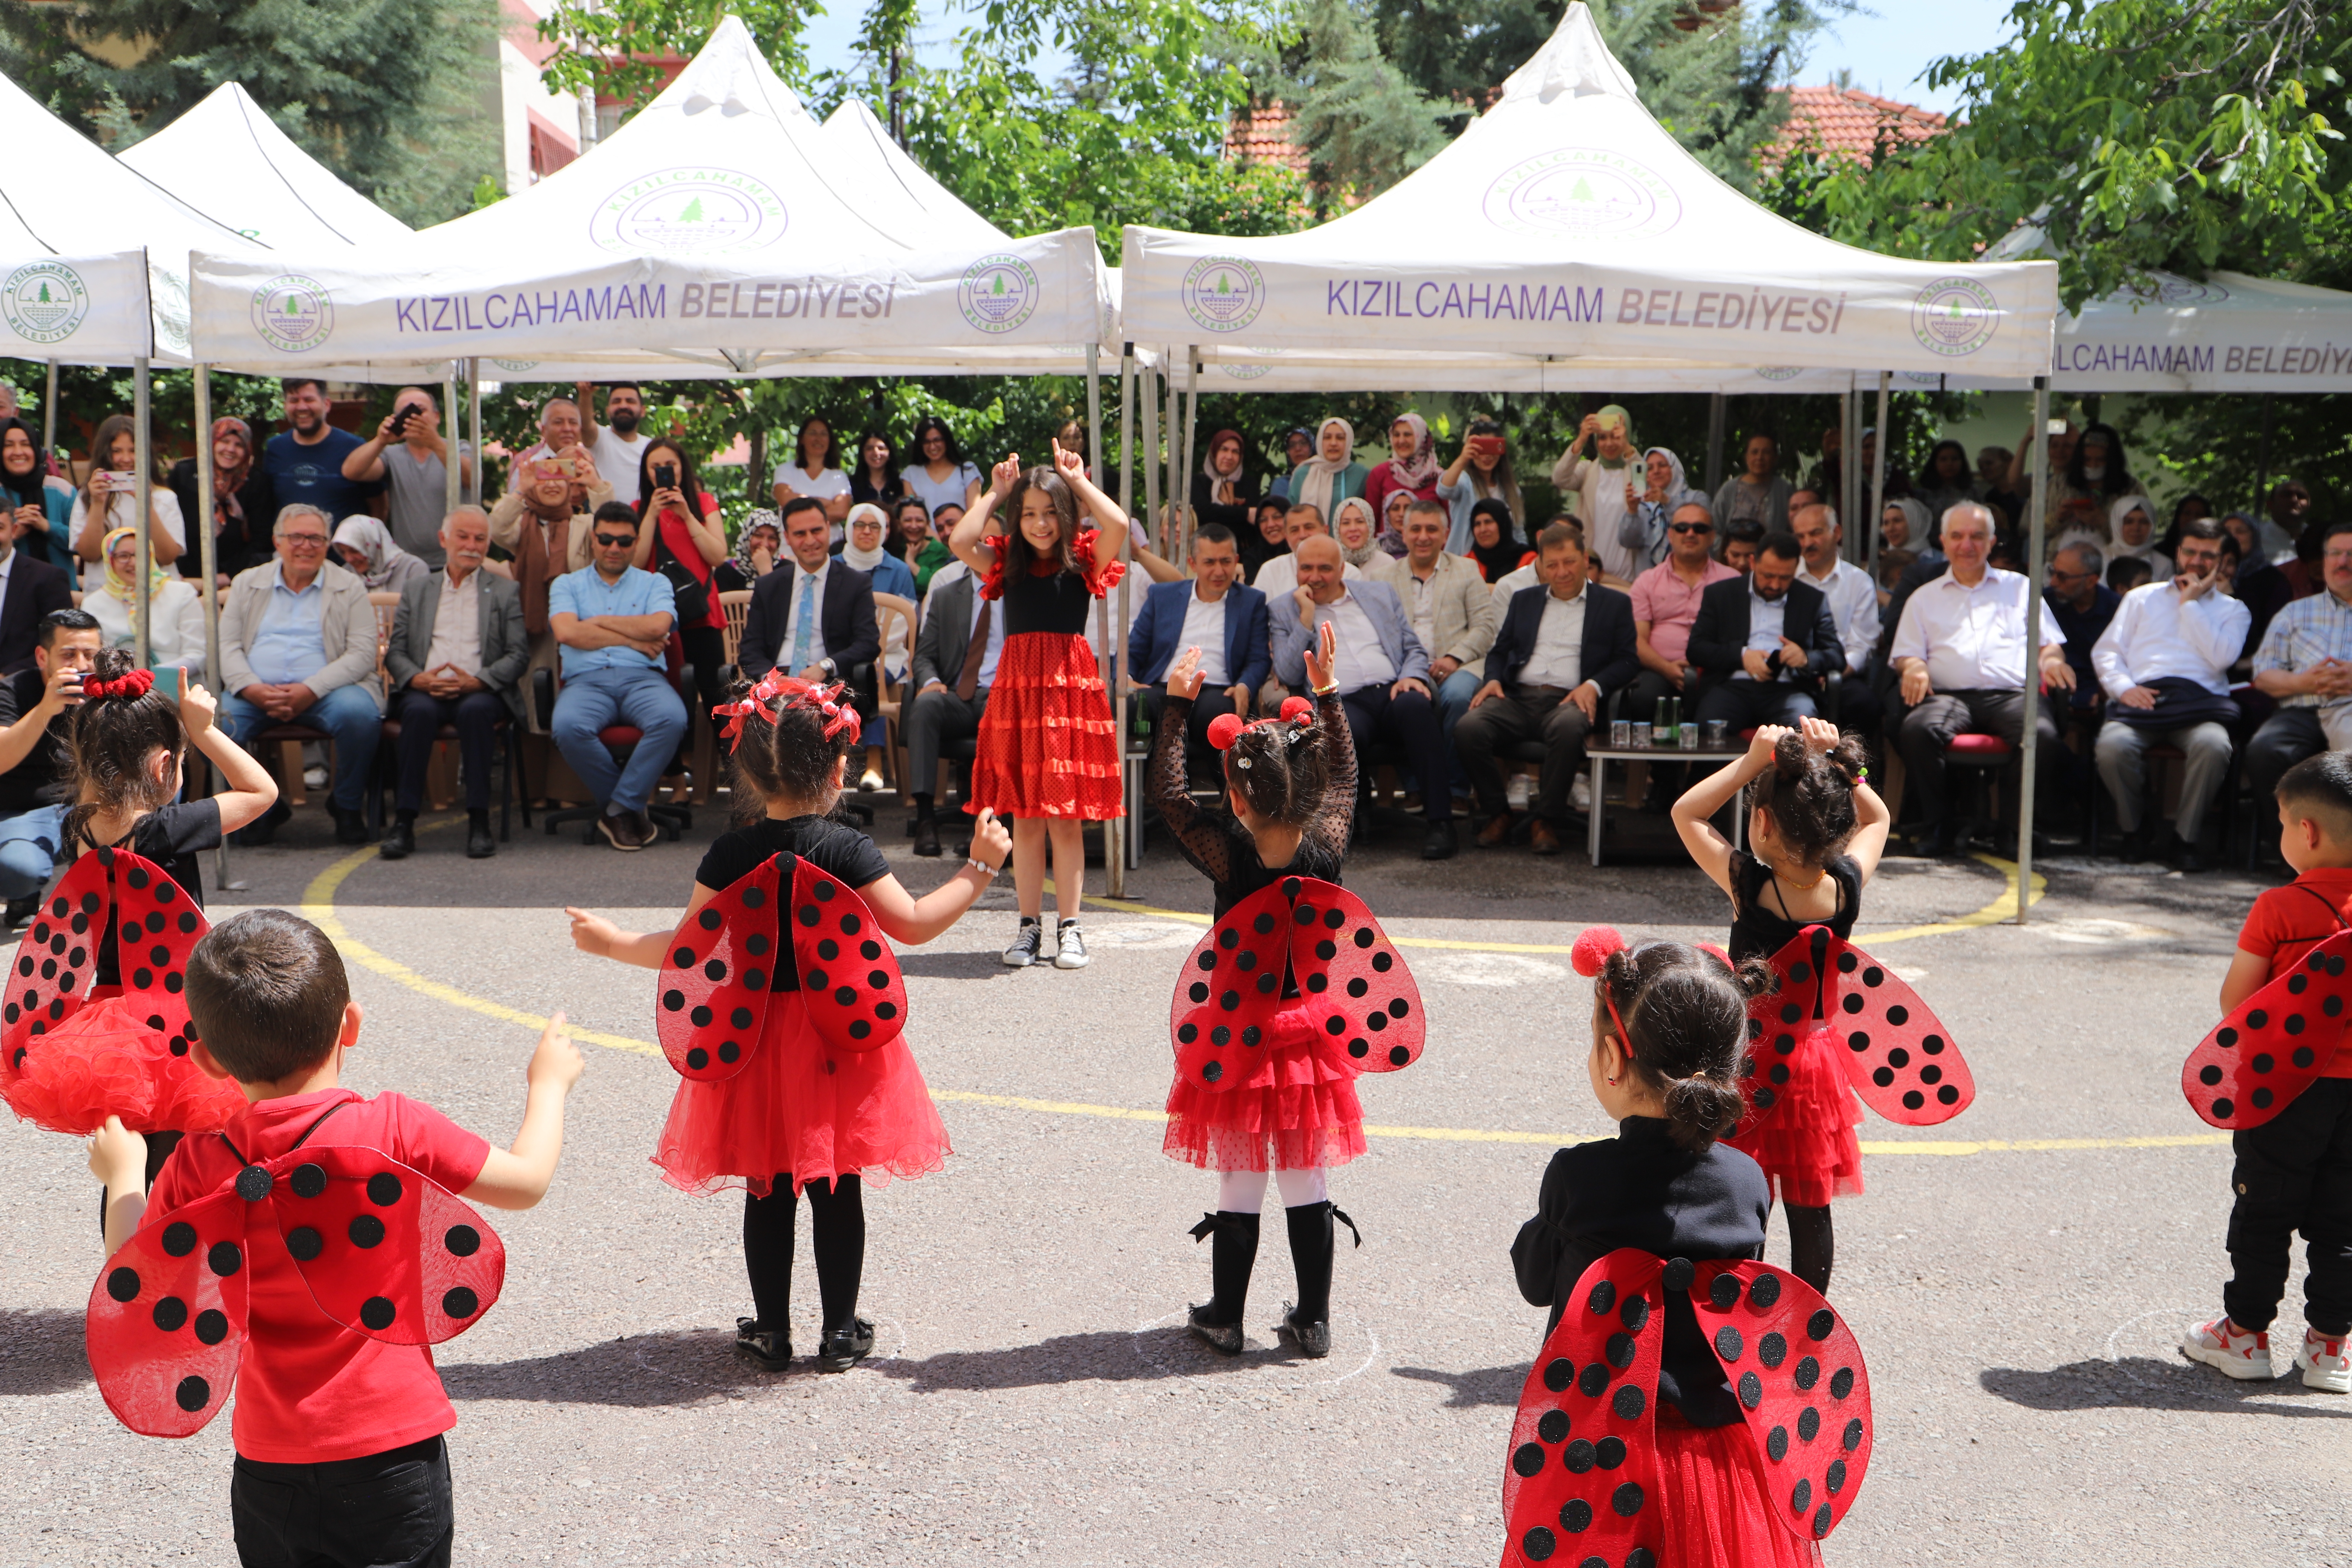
(1763, 645)
(816, 621)
(29, 589)
(1566, 643)
(1212, 613)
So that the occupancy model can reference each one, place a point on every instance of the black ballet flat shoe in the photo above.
(1225, 1337)
(1314, 1339)
(771, 1351)
(846, 1346)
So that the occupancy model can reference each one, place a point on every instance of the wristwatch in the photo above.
(826, 665)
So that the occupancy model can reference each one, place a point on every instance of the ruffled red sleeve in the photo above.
(992, 581)
(1101, 578)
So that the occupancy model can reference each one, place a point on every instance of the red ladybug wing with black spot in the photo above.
(1353, 978)
(56, 957)
(1780, 1020)
(157, 927)
(718, 976)
(1801, 1381)
(2261, 1056)
(849, 976)
(1580, 1482)
(1903, 1061)
(1231, 987)
(166, 1324)
(387, 1252)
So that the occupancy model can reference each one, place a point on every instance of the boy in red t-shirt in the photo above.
(2293, 1172)
(339, 1458)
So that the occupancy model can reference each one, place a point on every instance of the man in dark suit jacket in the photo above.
(1212, 613)
(1546, 687)
(842, 633)
(444, 671)
(950, 685)
(33, 589)
(1763, 645)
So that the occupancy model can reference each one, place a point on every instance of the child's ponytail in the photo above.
(1810, 796)
(122, 722)
(1279, 766)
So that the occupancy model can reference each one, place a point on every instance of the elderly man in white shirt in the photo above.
(1854, 605)
(1960, 653)
(1279, 579)
(2164, 661)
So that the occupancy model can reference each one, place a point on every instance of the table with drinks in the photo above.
(1667, 736)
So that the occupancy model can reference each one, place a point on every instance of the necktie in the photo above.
(967, 679)
(803, 623)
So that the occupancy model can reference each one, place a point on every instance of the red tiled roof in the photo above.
(1260, 133)
(1847, 122)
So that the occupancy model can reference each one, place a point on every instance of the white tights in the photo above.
(1244, 1192)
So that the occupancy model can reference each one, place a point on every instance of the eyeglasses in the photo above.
(2337, 556)
(616, 541)
(1691, 527)
(314, 541)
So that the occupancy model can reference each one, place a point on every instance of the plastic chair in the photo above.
(1983, 757)
(735, 604)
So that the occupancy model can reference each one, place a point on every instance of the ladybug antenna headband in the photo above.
(831, 701)
(1297, 718)
(1589, 956)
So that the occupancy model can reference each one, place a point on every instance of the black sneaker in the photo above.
(771, 1351)
(20, 911)
(1027, 946)
(1314, 1339)
(1225, 1337)
(846, 1346)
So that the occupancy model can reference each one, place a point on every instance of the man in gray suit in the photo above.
(456, 657)
(955, 660)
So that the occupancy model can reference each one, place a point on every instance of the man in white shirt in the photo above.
(2164, 662)
(1210, 612)
(809, 620)
(1453, 614)
(616, 445)
(1279, 579)
(1854, 605)
(1959, 652)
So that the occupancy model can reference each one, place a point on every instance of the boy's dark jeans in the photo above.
(391, 1509)
(2294, 1173)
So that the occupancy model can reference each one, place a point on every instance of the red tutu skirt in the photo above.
(1047, 747)
(1295, 1109)
(1807, 1146)
(801, 1107)
(1715, 1501)
(104, 1060)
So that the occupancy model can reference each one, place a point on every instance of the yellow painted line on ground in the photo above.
(319, 908)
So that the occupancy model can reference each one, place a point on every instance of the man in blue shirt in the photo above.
(613, 622)
(305, 462)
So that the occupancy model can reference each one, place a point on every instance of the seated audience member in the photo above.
(2288, 519)
(862, 549)
(1214, 613)
(36, 704)
(1904, 528)
(2262, 587)
(613, 621)
(1495, 546)
(298, 642)
(759, 545)
(1763, 647)
(41, 503)
(1265, 537)
(2082, 607)
(1947, 481)
(955, 662)
(175, 608)
(1530, 572)
(1453, 615)
(1332, 475)
(2164, 661)
(34, 590)
(1224, 491)
(409, 457)
(2129, 572)
(1652, 498)
(364, 548)
(1666, 602)
(1854, 605)
(816, 620)
(1740, 542)
(1278, 578)
(1383, 669)
(1564, 646)
(1959, 656)
(543, 524)
(1359, 542)
(2305, 662)
(1297, 445)
(456, 657)
(1758, 493)
(2132, 525)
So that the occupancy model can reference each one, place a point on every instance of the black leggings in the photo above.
(1812, 1244)
(837, 1237)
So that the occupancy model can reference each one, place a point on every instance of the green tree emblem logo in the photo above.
(45, 294)
(1582, 191)
(693, 212)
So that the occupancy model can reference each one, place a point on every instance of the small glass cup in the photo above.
(1641, 737)
(1620, 734)
(1718, 732)
(1690, 735)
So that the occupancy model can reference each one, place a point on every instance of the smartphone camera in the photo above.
(665, 475)
(400, 420)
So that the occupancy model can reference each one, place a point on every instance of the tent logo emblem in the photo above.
(1778, 372)
(293, 314)
(1245, 372)
(517, 366)
(1955, 316)
(1223, 293)
(690, 212)
(1584, 193)
(45, 302)
(998, 293)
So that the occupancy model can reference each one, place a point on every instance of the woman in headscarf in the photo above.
(1360, 542)
(1264, 538)
(1495, 541)
(1651, 506)
(1480, 471)
(1906, 529)
(1332, 474)
(244, 501)
(41, 503)
(1948, 482)
(175, 611)
(1411, 467)
(758, 544)
(1224, 491)
(364, 548)
(1297, 445)
(863, 549)
(2132, 521)
(1600, 481)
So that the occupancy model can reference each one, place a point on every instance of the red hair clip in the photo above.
(796, 693)
(1297, 711)
(134, 684)
(1590, 954)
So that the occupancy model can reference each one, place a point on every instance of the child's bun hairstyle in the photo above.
(1681, 1014)
(1278, 765)
(1811, 795)
(121, 722)
(788, 737)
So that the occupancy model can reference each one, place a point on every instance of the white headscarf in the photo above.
(863, 560)
(2121, 508)
(1372, 546)
(372, 540)
(1319, 473)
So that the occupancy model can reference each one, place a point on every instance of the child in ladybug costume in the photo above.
(781, 1007)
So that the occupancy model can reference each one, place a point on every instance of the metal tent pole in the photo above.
(142, 493)
(1715, 423)
(1180, 501)
(1849, 451)
(1114, 870)
(474, 386)
(49, 415)
(1171, 408)
(2037, 512)
(454, 487)
(1130, 834)
(208, 558)
(1866, 541)
(1148, 409)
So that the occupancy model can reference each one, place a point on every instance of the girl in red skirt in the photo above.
(1815, 832)
(801, 1116)
(1047, 756)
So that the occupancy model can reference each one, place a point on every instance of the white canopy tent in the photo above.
(228, 160)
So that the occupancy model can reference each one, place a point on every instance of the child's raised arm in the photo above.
(251, 791)
(967, 540)
(518, 1178)
(905, 918)
(1704, 799)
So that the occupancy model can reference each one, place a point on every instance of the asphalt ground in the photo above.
(2017, 1278)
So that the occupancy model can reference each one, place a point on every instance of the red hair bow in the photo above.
(1226, 728)
(135, 683)
(796, 693)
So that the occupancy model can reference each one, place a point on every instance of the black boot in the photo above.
(925, 828)
(1313, 1238)
(1231, 1259)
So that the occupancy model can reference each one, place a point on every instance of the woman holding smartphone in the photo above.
(109, 498)
(681, 535)
(1480, 471)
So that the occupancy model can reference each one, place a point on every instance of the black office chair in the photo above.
(621, 740)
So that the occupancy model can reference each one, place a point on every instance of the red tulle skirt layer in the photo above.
(1715, 1503)
(1807, 1146)
(801, 1107)
(104, 1060)
(1294, 1110)
(1047, 746)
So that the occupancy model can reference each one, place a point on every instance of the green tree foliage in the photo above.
(1364, 125)
(386, 93)
(619, 47)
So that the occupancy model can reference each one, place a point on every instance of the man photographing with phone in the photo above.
(408, 452)
(34, 705)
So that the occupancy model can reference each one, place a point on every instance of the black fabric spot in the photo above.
(1558, 1373)
(365, 1230)
(1552, 1426)
(1228, 938)
(1773, 1350)
(1678, 1273)
(1252, 1035)
(1360, 1046)
(1821, 1325)
(1751, 1390)
(461, 1302)
(2264, 1061)
(683, 958)
(1578, 1457)
(1221, 1036)
(1802, 1498)
(1212, 1071)
(1603, 1297)
(1246, 961)
(1628, 1401)
(376, 1313)
(810, 914)
(1626, 1499)
(697, 1058)
(1640, 1557)
(1724, 1294)
(715, 970)
(819, 979)
(1809, 1424)
(2302, 1056)
(673, 1000)
(1527, 1459)
(1634, 1314)
(1764, 1290)
(1619, 1350)
(1841, 1383)
(1399, 1056)
(1609, 1453)
(729, 1052)
(1199, 992)
(212, 1327)
(1575, 1514)
(1399, 1008)
(846, 995)
(174, 982)
(463, 1240)
(2258, 1019)
(741, 1018)
(1776, 1444)
(2226, 1038)
(143, 980)
(890, 1010)
(383, 1189)
(1382, 962)
(1539, 1544)
(1594, 1380)
(159, 955)
(1809, 1373)
(700, 1017)
(309, 1181)
(224, 1259)
(1834, 1481)
(188, 922)
(1728, 1345)
(1290, 886)
(179, 1239)
(1334, 919)
(1853, 1427)
(304, 1242)
(712, 920)
(192, 1395)
(122, 1284)
(1264, 924)
(2262, 1099)
(757, 898)
(1822, 1520)
(2223, 1107)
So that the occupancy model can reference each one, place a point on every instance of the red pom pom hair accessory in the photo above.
(1296, 712)
(1592, 951)
(794, 692)
(134, 683)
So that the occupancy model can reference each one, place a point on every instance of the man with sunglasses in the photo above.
(613, 621)
(1666, 603)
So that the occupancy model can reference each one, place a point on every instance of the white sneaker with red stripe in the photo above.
(2324, 1362)
(2218, 1344)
